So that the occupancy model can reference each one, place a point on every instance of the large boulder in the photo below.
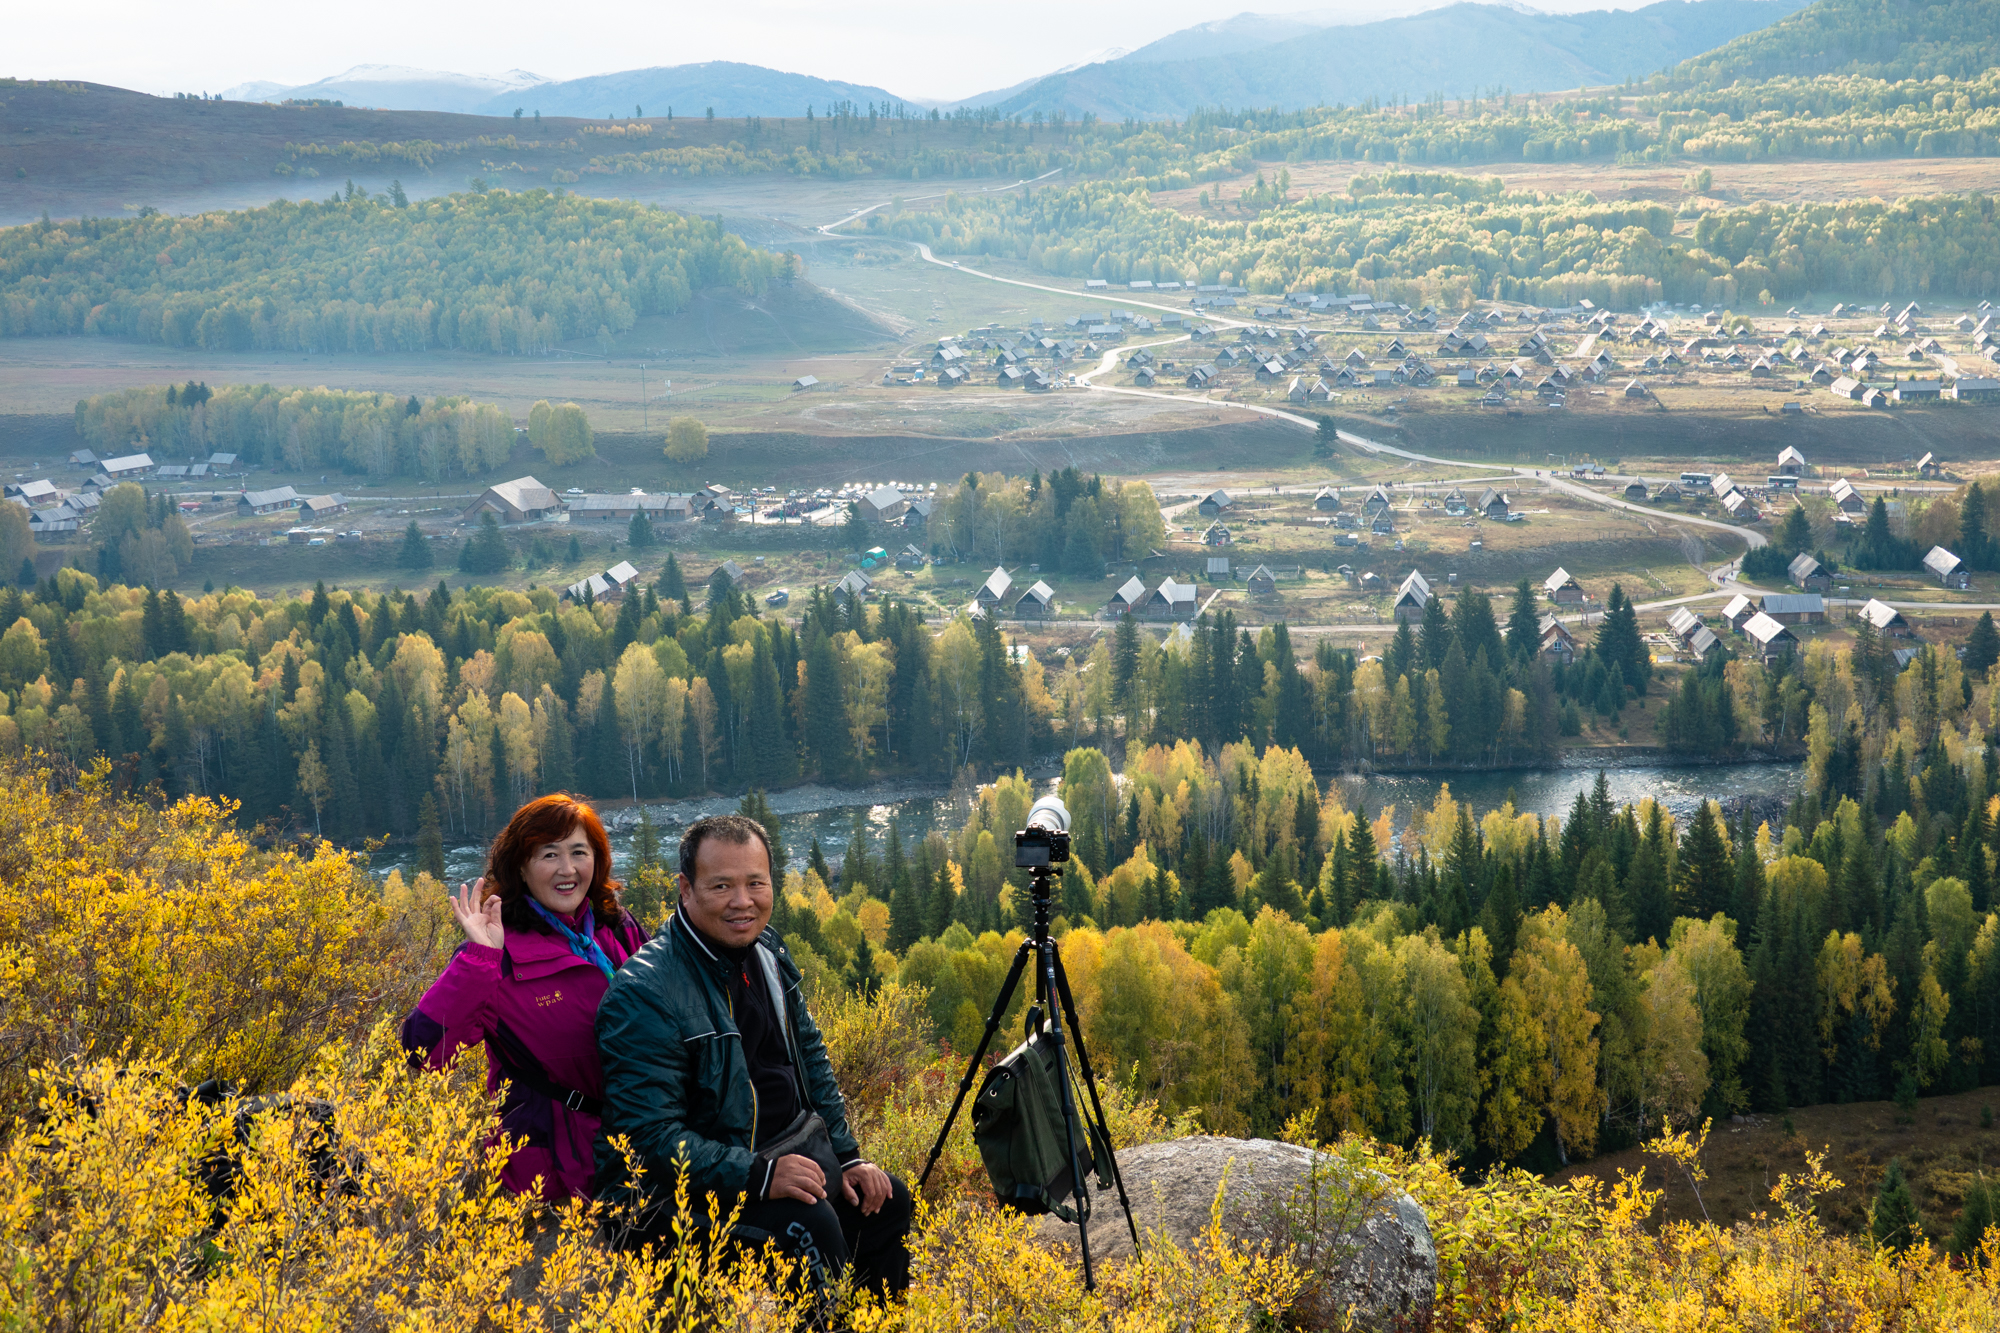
(1366, 1243)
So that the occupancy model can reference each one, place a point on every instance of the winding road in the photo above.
(1723, 576)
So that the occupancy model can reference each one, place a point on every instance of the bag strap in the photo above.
(520, 1066)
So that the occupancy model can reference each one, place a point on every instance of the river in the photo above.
(827, 814)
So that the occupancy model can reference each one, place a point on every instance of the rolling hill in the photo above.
(1454, 51)
(1885, 39)
(731, 89)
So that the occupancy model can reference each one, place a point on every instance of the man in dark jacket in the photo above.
(709, 1051)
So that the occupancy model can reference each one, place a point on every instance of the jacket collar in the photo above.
(536, 954)
(697, 947)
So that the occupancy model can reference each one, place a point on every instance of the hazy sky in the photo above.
(913, 50)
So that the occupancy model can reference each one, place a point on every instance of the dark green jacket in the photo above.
(675, 1076)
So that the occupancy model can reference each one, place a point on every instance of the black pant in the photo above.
(829, 1237)
(833, 1234)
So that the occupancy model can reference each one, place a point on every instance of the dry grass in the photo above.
(1940, 1151)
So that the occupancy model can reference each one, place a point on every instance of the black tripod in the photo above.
(1051, 991)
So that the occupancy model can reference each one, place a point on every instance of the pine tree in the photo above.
(1895, 1223)
(673, 584)
(430, 840)
(906, 918)
(1982, 647)
(1974, 542)
(1708, 872)
(487, 552)
(1523, 624)
(1361, 862)
(415, 552)
(816, 863)
(862, 977)
(1975, 1215)
(640, 535)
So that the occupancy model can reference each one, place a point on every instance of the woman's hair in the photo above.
(544, 820)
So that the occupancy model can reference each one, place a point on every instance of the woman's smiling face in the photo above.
(559, 873)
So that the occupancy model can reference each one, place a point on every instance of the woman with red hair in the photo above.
(543, 934)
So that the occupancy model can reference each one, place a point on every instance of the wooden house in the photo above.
(1037, 603)
(266, 502)
(853, 588)
(1771, 639)
(1411, 599)
(1170, 601)
(995, 591)
(1562, 589)
(522, 500)
(1795, 608)
(1947, 568)
(317, 508)
(1886, 619)
(1807, 573)
(1262, 582)
(1128, 597)
(1557, 643)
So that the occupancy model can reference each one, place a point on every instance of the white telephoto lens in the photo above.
(1049, 813)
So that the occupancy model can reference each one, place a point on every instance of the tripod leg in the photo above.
(972, 1065)
(1071, 1118)
(1090, 1086)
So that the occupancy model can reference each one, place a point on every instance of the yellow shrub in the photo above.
(163, 934)
(368, 1202)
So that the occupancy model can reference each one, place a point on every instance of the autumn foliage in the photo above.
(144, 948)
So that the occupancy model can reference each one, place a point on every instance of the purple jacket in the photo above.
(534, 1004)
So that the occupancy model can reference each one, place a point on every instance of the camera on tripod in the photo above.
(1045, 840)
(1037, 1142)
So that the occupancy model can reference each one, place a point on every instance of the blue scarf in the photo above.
(581, 943)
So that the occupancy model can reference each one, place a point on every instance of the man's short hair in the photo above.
(737, 829)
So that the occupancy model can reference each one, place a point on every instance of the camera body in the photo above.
(1037, 848)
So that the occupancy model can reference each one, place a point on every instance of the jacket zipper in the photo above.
(731, 1002)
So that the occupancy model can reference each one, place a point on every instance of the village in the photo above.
(1493, 357)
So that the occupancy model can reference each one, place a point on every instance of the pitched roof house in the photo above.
(1947, 568)
(1037, 603)
(996, 588)
(1561, 588)
(1169, 601)
(1808, 573)
(1772, 639)
(1886, 619)
(1411, 598)
(522, 500)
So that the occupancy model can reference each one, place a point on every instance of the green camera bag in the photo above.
(1017, 1121)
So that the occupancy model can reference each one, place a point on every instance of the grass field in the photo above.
(1940, 1148)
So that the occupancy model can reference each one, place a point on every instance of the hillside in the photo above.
(1888, 39)
(1457, 51)
(729, 88)
(497, 272)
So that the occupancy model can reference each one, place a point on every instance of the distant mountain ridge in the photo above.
(733, 89)
(1286, 61)
(397, 87)
(1456, 50)
(1888, 39)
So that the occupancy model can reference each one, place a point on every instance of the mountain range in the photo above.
(1286, 61)
(1456, 51)
(395, 86)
